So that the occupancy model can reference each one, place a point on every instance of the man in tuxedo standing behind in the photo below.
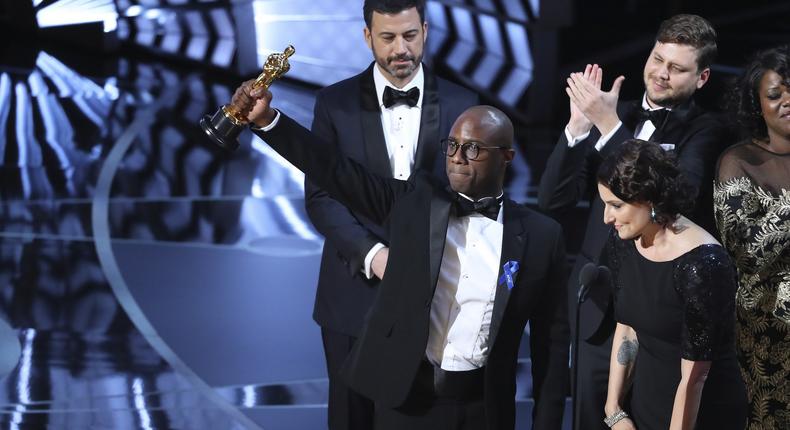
(678, 65)
(389, 118)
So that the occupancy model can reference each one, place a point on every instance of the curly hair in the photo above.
(642, 172)
(744, 98)
(693, 30)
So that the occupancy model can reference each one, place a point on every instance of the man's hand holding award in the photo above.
(224, 126)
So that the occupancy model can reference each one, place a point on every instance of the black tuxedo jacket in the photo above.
(570, 176)
(385, 359)
(348, 115)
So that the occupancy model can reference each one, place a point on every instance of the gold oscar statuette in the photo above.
(224, 126)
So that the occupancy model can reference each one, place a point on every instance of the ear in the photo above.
(368, 37)
(703, 77)
(424, 31)
(509, 154)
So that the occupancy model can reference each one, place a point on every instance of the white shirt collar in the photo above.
(382, 82)
(501, 193)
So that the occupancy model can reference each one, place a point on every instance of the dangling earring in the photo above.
(653, 215)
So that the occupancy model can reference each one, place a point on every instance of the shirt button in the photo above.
(466, 276)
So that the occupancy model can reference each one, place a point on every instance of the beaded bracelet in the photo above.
(615, 418)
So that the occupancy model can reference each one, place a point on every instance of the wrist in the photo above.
(367, 267)
(607, 124)
(578, 127)
(265, 118)
(611, 408)
(615, 418)
(380, 254)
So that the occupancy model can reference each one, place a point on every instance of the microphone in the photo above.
(588, 275)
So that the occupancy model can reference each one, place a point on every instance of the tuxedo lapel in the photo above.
(676, 122)
(372, 132)
(629, 112)
(440, 217)
(428, 141)
(514, 242)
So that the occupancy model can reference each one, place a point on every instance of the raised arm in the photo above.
(593, 129)
(344, 179)
(565, 179)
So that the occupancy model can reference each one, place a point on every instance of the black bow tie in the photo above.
(392, 97)
(487, 206)
(656, 116)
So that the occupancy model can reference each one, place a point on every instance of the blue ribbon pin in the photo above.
(510, 268)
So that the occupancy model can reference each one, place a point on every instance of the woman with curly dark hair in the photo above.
(752, 208)
(673, 363)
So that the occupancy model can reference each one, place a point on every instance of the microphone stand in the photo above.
(581, 297)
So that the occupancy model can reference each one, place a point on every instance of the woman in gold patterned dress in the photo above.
(752, 206)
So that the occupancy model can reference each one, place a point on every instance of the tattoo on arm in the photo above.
(627, 352)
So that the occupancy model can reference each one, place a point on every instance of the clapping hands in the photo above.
(589, 104)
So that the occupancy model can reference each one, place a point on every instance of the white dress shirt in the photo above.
(643, 131)
(401, 126)
(463, 301)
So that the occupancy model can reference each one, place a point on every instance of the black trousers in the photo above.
(438, 400)
(347, 410)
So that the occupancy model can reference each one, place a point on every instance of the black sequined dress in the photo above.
(683, 308)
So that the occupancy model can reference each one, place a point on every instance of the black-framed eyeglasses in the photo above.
(469, 150)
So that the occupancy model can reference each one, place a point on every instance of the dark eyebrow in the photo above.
(476, 142)
(407, 32)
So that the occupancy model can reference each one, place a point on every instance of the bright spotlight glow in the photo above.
(70, 12)
(152, 14)
(133, 11)
(110, 24)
